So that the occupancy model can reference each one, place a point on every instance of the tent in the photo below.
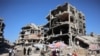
(57, 45)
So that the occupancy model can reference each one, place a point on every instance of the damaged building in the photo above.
(2, 25)
(66, 23)
(30, 34)
(4, 44)
(88, 41)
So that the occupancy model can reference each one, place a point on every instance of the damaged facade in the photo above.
(4, 44)
(30, 34)
(2, 25)
(64, 24)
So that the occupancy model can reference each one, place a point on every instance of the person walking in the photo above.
(29, 51)
(10, 51)
(42, 52)
(24, 51)
(13, 51)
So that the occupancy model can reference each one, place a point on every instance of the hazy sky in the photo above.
(17, 13)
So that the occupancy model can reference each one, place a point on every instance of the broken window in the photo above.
(83, 18)
(32, 31)
(22, 36)
(1, 34)
(80, 30)
(72, 10)
(71, 19)
(65, 17)
(34, 41)
(56, 31)
(1, 29)
(29, 40)
(0, 23)
(54, 12)
(26, 27)
(65, 39)
(73, 38)
(65, 29)
(80, 16)
(55, 22)
(80, 24)
(84, 25)
(60, 8)
(65, 7)
(23, 32)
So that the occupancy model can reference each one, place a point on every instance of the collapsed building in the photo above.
(30, 34)
(4, 44)
(66, 23)
(2, 25)
(88, 41)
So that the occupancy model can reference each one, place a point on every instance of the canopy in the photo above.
(57, 45)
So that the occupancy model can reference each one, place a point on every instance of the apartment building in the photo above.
(65, 22)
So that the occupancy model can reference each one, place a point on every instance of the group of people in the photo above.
(12, 51)
(27, 51)
(57, 52)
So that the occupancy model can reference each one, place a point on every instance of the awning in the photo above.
(57, 45)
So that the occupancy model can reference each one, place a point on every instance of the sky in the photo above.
(18, 13)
